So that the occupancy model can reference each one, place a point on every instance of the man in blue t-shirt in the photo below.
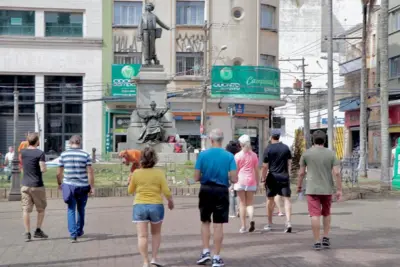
(214, 169)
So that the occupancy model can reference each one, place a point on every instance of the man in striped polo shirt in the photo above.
(75, 165)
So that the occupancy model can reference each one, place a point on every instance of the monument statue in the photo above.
(153, 131)
(148, 33)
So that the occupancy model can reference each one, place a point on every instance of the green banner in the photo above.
(245, 82)
(121, 76)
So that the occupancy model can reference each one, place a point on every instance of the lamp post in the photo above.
(15, 193)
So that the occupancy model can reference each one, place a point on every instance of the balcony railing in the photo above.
(64, 31)
(23, 30)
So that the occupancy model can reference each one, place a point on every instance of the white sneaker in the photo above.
(156, 263)
(288, 228)
(243, 230)
(267, 228)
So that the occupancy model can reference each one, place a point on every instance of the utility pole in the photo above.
(363, 97)
(203, 126)
(306, 101)
(15, 193)
(384, 94)
(307, 89)
(330, 75)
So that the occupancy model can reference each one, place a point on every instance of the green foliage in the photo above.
(189, 163)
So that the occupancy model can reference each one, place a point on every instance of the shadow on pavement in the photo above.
(382, 241)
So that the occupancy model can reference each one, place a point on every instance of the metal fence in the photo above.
(349, 170)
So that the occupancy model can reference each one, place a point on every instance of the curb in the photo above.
(348, 194)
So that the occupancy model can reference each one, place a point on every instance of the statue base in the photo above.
(151, 85)
(161, 148)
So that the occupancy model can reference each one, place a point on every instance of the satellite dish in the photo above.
(287, 90)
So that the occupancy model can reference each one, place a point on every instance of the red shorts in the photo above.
(319, 205)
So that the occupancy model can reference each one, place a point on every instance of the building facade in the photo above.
(350, 69)
(52, 53)
(241, 33)
(303, 29)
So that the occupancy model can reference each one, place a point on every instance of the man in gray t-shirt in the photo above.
(322, 166)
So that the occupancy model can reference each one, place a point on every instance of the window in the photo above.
(26, 88)
(394, 65)
(267, 60)
(64, 24)
(127, 13)
(63, 110)
(395, 21)
(15, 22)
(268, 17)
(189, 64)
(128, 58)
(190, 13)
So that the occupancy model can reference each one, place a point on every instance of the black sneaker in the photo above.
(204, 258)
(317, 246)
(326, 243)
(218, 263)
(81, 234)
(28, 237)
(73, 240)
(40, 234)
(252, 226)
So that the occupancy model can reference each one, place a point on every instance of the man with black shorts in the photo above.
(276, 175)
(214, 168)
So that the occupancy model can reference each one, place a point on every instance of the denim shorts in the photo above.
(153, 213)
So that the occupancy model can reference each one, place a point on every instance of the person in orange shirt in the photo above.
(22, 146)
(131, 156)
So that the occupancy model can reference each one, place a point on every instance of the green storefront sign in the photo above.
(121, 76)
(245, 82)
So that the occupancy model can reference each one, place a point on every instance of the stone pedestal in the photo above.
(151, 84)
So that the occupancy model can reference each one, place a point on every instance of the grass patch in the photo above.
(114, 175)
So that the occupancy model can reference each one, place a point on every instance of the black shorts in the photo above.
(214, 200)
(274, 187)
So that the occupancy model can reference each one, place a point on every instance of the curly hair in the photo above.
(233, 147)
(148, 158)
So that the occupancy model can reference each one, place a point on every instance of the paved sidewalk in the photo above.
(365, 233)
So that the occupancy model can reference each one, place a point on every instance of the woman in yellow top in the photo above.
(149, 184)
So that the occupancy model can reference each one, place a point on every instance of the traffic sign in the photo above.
(239, 108)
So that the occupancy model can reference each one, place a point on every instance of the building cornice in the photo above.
(33, 41)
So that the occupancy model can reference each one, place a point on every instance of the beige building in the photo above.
(247, 28)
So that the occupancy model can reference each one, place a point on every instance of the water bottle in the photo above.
(300, 196)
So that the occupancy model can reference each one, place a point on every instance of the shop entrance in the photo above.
(119, 138)
(120, 129)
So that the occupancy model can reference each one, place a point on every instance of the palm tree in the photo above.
(367, 7)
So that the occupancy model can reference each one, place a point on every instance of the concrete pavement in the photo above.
(365, 233)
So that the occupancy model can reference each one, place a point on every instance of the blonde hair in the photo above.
(245, 142)
(246, 146)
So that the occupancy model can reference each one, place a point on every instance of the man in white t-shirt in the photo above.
(8, 162)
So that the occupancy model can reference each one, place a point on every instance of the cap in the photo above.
(244, 139)
(275, 132)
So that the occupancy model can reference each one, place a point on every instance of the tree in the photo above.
(384, 94)
(299, 146)
(367, 7)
